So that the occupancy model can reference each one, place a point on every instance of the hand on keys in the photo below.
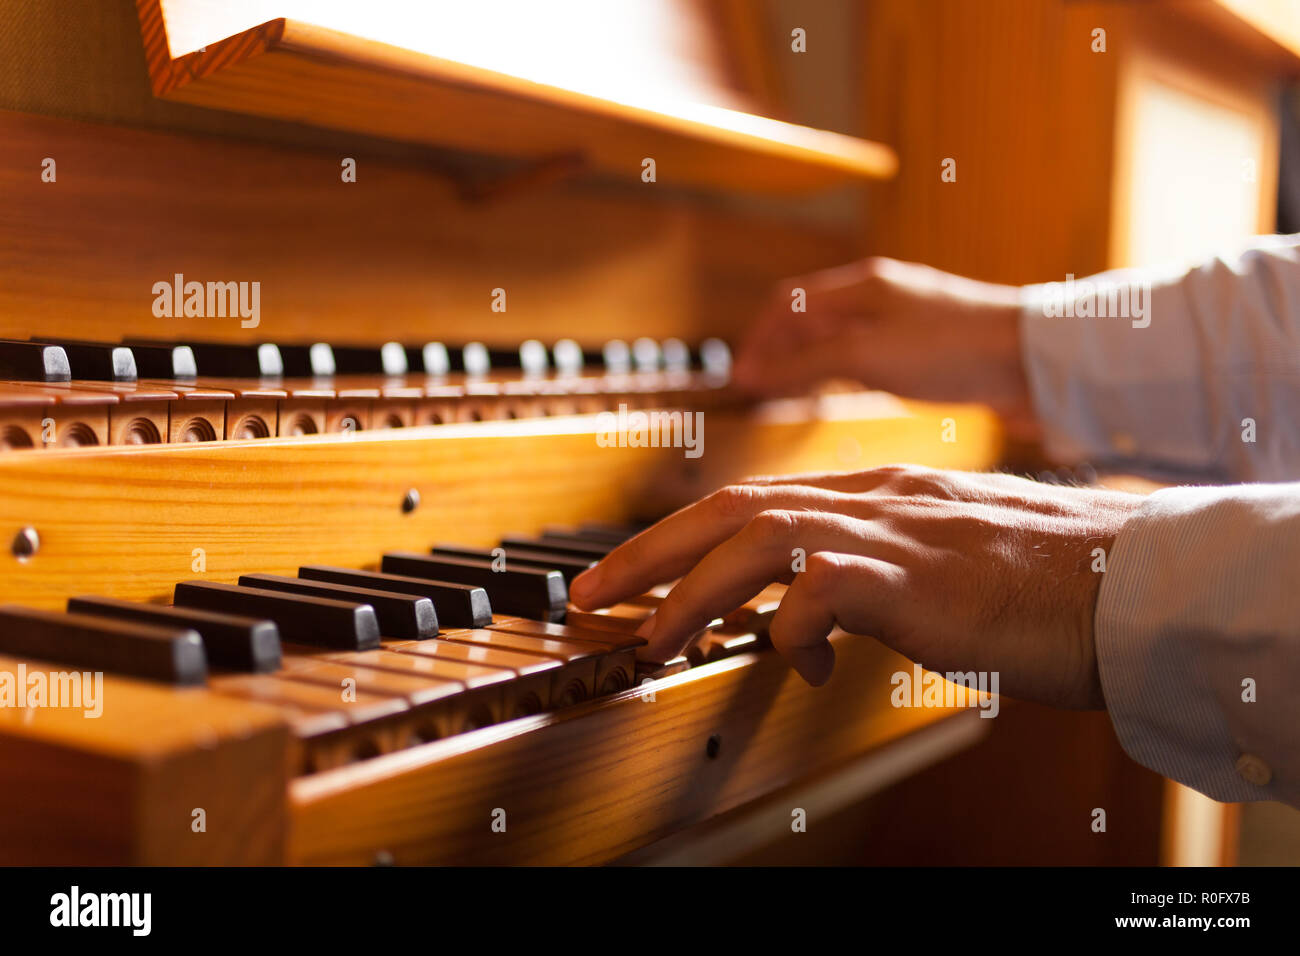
(957, 571)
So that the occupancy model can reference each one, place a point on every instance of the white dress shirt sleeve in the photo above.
(1198, 376)
(1198, 639)
(1195, 374)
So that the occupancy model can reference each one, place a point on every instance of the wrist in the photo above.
(1003, 358)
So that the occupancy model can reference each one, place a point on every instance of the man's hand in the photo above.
(956, 571)
(897, 326)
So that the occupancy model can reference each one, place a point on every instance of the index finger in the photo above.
(675, 545)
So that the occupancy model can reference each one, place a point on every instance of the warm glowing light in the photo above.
(640, 52)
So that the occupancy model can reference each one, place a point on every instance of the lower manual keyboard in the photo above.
(363, 663)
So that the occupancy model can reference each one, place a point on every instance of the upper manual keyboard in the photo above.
(62, 392)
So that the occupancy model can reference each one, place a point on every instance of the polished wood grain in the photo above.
(132, 207)
(122, 788)
(270, 505)
(300, 71)
(146, 517)
(600, 780)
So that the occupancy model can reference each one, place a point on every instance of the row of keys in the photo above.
(61, 360)
(87, 399)
(365, 662)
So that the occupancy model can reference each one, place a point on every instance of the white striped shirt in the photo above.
(1198, 618)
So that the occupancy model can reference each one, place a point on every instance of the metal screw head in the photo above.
(410, 501)
(713, 747)
(26, 543)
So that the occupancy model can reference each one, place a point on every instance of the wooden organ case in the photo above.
(331, 184)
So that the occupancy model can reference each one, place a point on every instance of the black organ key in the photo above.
(561, 544)
(96, 361)
(307, 361)
(231, 360)
(85, 642)
(595, 533)
(388, 359)
(606, 530)
(33, 362)
(530, 358)
(407, 616)
(167, 362)
(566, 564)
(472, 359)
(457, 605)
(302, 619)
(529, 592)
(500, 358)
(232, 642)
(558, 539)
(431, 358)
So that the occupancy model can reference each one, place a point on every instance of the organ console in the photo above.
(307, 662)
(301, 562)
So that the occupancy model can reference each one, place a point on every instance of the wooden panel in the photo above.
(835, 432)
(1022, 796)
(435, 803)
(131, 208)
(1015, 94)
(303, 72)
(984, 85)
(122, 788)
(145, 518)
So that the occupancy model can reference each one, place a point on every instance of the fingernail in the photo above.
(584, 585)
(647, 628)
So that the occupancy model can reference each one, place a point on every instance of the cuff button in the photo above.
(1254, 770)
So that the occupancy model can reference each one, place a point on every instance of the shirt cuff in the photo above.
(1192, 605)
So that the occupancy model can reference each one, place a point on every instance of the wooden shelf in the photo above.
(299, 72)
